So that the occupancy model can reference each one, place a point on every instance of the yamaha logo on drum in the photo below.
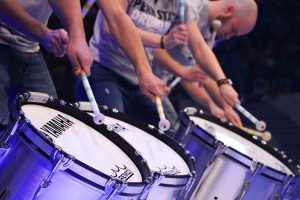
(56, 126)
(168, 170)
(122, 173)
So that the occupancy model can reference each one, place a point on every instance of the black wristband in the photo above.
(162, 45)
(224, 81)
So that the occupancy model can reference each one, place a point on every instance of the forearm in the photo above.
(199, 94)
(150, 39)
(69, 14)
(164, 60)
(213, 89)
(203, 54)
(122, 28)
(16, 17)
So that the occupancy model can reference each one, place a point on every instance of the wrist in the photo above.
(142, 70)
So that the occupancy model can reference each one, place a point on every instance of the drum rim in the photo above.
(153, 131)
(292, 166)
(70, 110)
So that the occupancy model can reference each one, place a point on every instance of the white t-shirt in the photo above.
(40, 10)
(148, 15)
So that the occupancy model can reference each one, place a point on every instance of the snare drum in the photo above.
(230, 163)
(57, 152)
(172, 165)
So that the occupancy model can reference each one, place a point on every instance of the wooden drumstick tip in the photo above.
(266, 136)
(99, 119)
(260, 125)
(164, 124)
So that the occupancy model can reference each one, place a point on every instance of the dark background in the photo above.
(264, 66)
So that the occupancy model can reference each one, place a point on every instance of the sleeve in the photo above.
(193, 8)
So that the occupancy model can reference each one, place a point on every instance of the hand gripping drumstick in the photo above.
(98, 117)
(260, 125)
(163, 124)
(266, 135)
(216, 24)
(87, 7)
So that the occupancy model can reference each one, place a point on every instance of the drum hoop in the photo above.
(86, 119)
(184, 117)
(158, 134)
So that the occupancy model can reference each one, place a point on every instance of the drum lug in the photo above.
(154, 182)
(59, 162)
(190, 127)
(282, 190)
(112, 188)
(191, 110)
(37, 97)
(220, 149)
(189, 184)
(256, 169)
(10, 131)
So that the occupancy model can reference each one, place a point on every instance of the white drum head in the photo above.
(83, 142)
(160, 157)
(241, 144)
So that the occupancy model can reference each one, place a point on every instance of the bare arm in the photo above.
(199, 94)
(214, 91)
(16, 17)
(164, 60)
(122, 28)
(206, 59)
(69, 13)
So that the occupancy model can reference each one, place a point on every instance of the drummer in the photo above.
(113, 79)
(23, 26)
(237, 17)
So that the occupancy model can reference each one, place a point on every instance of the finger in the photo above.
(64, 36)
(58, 46)
(85, 64)
(75, 65)
(167, 90)
(181, 27)
(149, 95)
(238, 122)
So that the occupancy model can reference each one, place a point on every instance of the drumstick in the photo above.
(181, 21)
(216, 25)
(163, 124)
(98, 117)
(260, 125)
(181, 12)
(266, 135)
(87, 7)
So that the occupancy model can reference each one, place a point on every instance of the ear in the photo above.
(228, 11)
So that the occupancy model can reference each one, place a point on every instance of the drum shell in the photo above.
(28, 161)
(221, 175)
(166, 186)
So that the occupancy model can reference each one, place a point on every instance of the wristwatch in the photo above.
(224, 81)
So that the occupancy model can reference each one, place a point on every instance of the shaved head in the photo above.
(238, 17)
(246, 11)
